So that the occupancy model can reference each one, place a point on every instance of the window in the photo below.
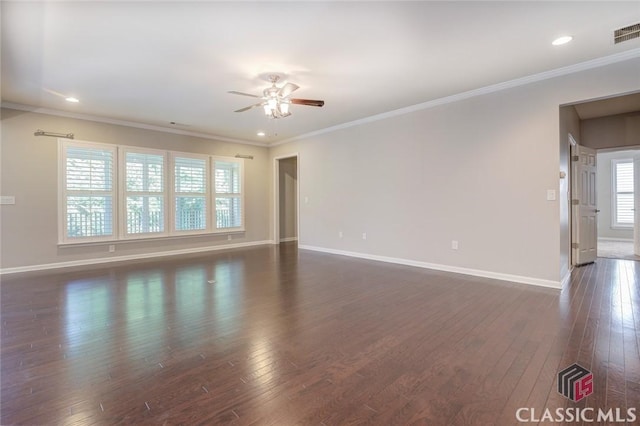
(623, 199)
(190, 192)
(111, 192)
(88, 183)
(144, 193)
(228, 193)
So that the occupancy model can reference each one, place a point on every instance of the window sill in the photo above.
(149, 238)
(622, 227)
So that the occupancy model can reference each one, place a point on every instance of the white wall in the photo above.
(605, 177)
(613, 131)
(29, 167)
(476, 171)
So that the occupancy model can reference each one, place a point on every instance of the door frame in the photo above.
(276, 195)
(571, 142)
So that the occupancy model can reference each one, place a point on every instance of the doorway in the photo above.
(286, 203)
(616, 203)
(605, 124)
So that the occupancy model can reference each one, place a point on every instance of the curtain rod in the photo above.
(55, 135)
(250, 157)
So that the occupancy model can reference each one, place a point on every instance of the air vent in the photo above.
(626, 33)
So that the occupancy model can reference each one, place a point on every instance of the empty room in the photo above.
(319, 213)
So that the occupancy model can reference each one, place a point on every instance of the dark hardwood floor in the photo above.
(271, 335)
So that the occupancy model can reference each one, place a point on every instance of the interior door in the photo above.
(584, 207)
(636, 205)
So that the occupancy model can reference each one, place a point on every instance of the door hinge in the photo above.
(575, 245)
(575, 158)
(575, 202)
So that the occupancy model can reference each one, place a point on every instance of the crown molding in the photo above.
(546, 75)
(558, 72)
(96, 118)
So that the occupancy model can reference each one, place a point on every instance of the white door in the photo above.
(583, 203)
(636, 206)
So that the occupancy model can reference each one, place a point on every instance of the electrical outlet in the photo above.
(339, 234)
(454, 245)
(364, 235)
(112, 248)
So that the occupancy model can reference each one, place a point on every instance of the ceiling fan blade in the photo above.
(288, 89)
(308, 102)
(249, 107)
(233, 92)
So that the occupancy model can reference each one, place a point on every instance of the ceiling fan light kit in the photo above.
(276, 100)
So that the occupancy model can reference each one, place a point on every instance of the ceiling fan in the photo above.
(276, 100)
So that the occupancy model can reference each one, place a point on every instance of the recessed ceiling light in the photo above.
(261, 133)
(562, 40)
(72, 99)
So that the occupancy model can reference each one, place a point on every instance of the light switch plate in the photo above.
(551, 194)
(7, 199)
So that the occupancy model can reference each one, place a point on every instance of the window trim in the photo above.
(119, 194)
(123, 193)
(63, 237)
(240, 195)
(173, 194)
(614, 194)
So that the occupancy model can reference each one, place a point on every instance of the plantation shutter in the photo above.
(88, 192)
(228, 194)
(624, 192)
(190, 188)
(144, 193)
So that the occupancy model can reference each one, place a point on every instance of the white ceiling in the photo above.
(157, 62)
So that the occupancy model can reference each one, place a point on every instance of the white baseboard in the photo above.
(624, 240)
(87, 262)
(455, 269)
(407, 262)
(566, 278)
(286, 240)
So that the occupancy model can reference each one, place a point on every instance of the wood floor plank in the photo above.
(273, 335)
